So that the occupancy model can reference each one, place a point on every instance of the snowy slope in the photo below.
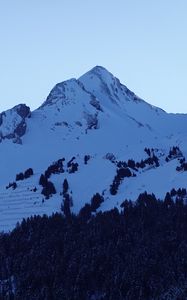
(94, 115)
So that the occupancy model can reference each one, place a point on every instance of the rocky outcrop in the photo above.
(91, 120)
(13, 123)
(23, 110)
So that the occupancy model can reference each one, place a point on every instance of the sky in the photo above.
(142, 42)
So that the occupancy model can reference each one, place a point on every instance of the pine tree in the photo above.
(65, 186)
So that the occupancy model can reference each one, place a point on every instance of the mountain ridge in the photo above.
(90, 128)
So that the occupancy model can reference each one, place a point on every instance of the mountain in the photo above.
(99, 136)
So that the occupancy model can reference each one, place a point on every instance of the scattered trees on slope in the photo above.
(24, 175)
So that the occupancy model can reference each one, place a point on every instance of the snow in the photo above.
(10, 120)
(67, 125)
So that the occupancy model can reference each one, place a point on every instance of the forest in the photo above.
(139, 252)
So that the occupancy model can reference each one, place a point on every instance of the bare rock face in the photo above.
(21, 128)
(23, 110)
(13, 123)
(95, 103)
(92, 120)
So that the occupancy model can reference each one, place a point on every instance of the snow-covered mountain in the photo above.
(86, 131)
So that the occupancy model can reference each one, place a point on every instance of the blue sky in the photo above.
(142, 42)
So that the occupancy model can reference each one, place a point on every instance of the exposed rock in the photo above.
(111, 157)
(1, 118)
(9, 136)
(95, 103)
(92, 120)
(23, 110)
(78, 123)
(13, 123)
(21, 128)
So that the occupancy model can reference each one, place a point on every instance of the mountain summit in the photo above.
(92, 137)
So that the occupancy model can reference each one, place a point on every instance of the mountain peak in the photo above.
(99, 69)
(59, 91)
(87, 126)
(100, 72)
(105, 86)
(97, 83)
(67, 89)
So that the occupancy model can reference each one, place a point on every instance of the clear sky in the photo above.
(142, 42)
